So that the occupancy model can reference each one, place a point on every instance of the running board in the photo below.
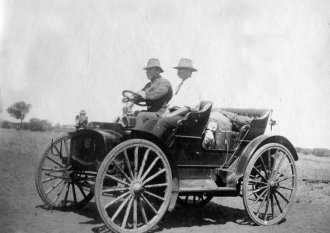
(194, 186)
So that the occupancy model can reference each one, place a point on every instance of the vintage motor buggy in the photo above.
(136, 177)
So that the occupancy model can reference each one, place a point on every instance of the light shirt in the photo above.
(188, 95)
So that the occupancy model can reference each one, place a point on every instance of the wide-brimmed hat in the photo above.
(154, 62)
(185, 63)
(82, 112)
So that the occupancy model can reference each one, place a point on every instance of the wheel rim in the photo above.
(194, 200)
(58, 184)
(270, 184)
(133, 186)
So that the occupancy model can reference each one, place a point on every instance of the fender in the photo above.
(175, 182)
(251, 148)
(105, 141)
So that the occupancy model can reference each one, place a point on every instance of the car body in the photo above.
(137, 177)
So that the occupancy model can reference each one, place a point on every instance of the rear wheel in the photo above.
(269, 184)
(133, 186)
(58, 184)
(196, 200)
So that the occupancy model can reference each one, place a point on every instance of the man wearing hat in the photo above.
(157, 93)
(187, 98)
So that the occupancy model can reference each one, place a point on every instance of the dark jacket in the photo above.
(158, 93)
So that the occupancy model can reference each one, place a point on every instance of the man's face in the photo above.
(152, 72)
(184, 73)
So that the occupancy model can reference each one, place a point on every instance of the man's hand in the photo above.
(124, 99)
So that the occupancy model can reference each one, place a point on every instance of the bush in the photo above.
(6, 125)
(320, 152)
(36, 124)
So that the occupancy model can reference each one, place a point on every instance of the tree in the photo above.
(19, 110)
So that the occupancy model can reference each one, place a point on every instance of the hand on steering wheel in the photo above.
(136, 98)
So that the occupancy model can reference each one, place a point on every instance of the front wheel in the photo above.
(133, 186)
(269, 184)
(59, 185)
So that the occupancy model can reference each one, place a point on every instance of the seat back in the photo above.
(194, 123)
(259, 119)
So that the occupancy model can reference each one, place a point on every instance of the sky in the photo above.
(63, 56)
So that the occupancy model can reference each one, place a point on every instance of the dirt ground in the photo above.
(21, 209)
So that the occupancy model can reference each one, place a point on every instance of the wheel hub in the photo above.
(273, 184)
(137, 188)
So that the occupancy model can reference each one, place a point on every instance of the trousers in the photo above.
(164, 124)
(142, 117)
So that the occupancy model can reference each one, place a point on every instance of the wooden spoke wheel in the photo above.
(133, 186)
(269, 184)
(196, 200)
(58, 184)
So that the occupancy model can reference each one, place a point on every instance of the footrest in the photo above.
(191, 186)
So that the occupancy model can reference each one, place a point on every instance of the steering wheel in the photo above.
(136, 98)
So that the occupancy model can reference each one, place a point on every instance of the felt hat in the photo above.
(153, 62)
(185, 63)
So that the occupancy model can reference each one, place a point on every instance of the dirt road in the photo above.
(21, 209)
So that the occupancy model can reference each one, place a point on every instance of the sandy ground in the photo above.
(21, 209)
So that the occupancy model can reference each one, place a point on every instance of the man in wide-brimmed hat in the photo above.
(187, 98)
(157, 93)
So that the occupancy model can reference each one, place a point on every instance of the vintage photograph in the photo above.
(164, 116)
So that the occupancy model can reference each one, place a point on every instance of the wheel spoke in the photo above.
(281, 195)
(149, 204)
(81, 190)
(272, 204)
(117, 199)
(156, 185)
(154, 176)
(278, 203)
(284, 178)
(116, 179)
(285, 188)
(58, 164)
(264, 166)
(269, 162)
(66, 194)
(149, 169)
(74, 193)
(51, 170)
(59, 193)
(145, 157)
(279, 165)
(120, 208)
(258, 198)
(122, 172)
(257, 190)
(54, 146)
(49, 179)
(136, 153)
(261, 205)
(267, 205)
(128, 164)
(54, 186)
(110, 190)
(135, 213)
(144, 216)
(154, 195)
(123, 225)
(261, 176)
(283, 171)
(274, 162)
(257, 182)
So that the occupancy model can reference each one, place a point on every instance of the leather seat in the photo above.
(194, 123)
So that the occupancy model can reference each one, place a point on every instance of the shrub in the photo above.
(36, 124)
(6, 125)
